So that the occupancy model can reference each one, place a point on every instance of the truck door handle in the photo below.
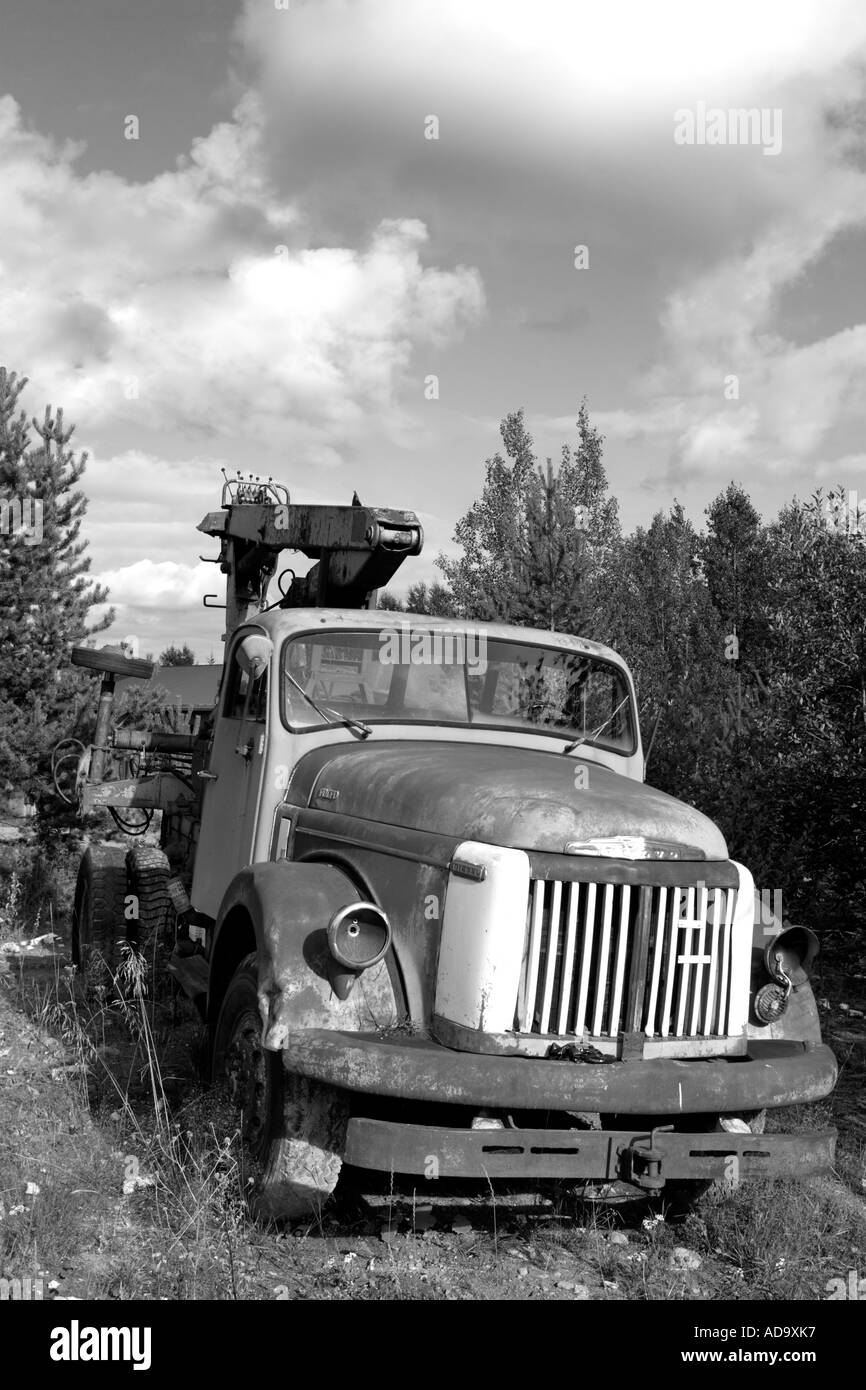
(208, 776)
(245, 749)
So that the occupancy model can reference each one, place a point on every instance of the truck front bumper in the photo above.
(771, 1074)
(646, 1160)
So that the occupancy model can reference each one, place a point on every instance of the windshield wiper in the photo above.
(331, 716)
(590, 738)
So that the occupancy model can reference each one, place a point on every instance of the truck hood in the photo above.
(514, 797)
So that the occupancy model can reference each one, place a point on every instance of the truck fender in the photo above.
(288, 906)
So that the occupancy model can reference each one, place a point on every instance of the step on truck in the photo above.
(436, 921)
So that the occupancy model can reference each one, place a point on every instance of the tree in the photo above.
(806, 745)
(434, 601)
(46, 598)
(481, 579)
(550, 564)
(664, 624)
(534, 542)
(389, 603)
(736, 558)
(177, 656)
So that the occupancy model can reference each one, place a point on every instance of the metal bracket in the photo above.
(630, 1047)
(641, 1161)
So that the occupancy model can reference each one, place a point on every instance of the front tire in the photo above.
(292, 1129)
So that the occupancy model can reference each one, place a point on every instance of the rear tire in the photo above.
(98, 921)
(148, 872)
(293, 1130)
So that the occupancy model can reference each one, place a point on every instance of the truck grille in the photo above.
(603, 958)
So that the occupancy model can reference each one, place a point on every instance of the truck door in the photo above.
(231, 796)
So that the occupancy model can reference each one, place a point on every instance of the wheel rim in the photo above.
(247, 1074)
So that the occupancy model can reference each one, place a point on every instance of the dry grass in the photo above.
(122, 1178)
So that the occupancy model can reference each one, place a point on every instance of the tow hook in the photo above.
(642, 1162)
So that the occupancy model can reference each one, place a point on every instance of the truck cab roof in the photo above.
(280, 623)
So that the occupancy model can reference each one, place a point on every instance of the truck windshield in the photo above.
(424, 675)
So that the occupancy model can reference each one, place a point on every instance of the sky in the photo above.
(248, 234)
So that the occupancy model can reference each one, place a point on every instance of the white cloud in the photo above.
(167, 305)
(730, 394)
(558, 113)
(157, 585)
(504, 63)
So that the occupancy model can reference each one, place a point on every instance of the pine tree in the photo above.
(551, 568)
(664, 624)
(45, 595)
(491, 532)
(536, 543)
(177, 656)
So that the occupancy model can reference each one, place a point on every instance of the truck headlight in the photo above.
(787, 959)
(790, 955)
(771, 1001)
(359, 936)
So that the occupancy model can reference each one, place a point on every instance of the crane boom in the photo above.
(358, 548)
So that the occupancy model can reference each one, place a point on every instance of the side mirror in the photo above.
(254, 654)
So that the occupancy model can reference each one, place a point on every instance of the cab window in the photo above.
(245, 698)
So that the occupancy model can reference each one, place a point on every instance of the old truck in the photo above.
(436, 921)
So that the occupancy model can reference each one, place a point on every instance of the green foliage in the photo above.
(430, 600)
(46, 597)
(659, 616)
(177, 656)
(747, 643)
(534, 537)
(434, 601)
(389, 602)
(767, 736)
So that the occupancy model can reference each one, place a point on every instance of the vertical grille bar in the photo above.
(534, 954)
(550, 965)
(710, 1008)
(658, 954)
(722, 1022)
(672, 962)
(619, 968)
(585, 959)
(682, 961)
(604, 954)
(698, 949)
(637, 977)
(568, 955)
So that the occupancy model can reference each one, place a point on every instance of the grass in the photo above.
(121, 1177)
